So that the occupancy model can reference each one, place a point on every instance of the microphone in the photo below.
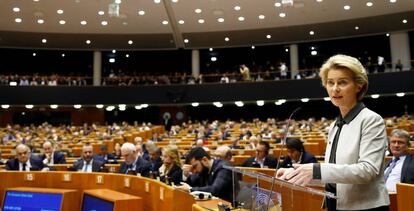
(286, 135)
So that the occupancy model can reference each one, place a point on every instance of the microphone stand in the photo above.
(280, 153)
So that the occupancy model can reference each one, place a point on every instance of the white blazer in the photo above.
(359, 169)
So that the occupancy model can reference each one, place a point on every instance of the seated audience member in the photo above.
(223, 153)
(401, 167)
(141, 147)
(134, 164)
(236, 143)
(154, 158)
(25, 161)
(200, 143)
(117, 150)
(51, 156)
(296, 154)
(105, 156)
(201, 173)
(88, 163)
(170, 172)
(262, 158)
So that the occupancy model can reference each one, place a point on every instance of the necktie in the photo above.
(24, 167)
(332, 157)
(85, 169)
(392, 165)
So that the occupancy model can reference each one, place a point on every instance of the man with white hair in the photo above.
(223, 153)
(134, 164)
(25, 161)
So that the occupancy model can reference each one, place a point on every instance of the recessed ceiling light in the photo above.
(261, 17)
(18, 20)
(210, 49)
(175, 1)
(282, 14)
(77, 106)
(400, 94)
(319, 0)
(127, 55)
(327, 98)
(54, 106)
(404, 21)
(387, 34)
(181, 21)
(221, 20)
(241, 18)
(44, 40)
(59, 11)
(347, 7)
(104, 23)
(62, 22)
(112, 60)
(29, 106)
(157, 1)
(40, 21)
(278, 4)
(213, 59)
(141, 12)
(237, 8)
(88, 42)
(253, 47)
(63, 55)
(34, 54)
(99, 106)
(130, 42)
(164, 22)
(311, 32)
(226, 39)
(16, 9)
(369, 4)
(304, 100)
(186, 41)
(268, 36)
(118, 1)
(201, 20)
(83, 22)
(314, 53)
(197, 10)
(101, 12)
(375, 96)
(286, 49)
(36, 0)
(393, 1)
(113, 51)
(356, 27)
(5, 106)
(312, 48)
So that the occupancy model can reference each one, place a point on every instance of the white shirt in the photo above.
(395, 175)
(51, 160)
(28, 166)
(87, 167)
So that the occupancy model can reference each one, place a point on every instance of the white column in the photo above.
(294, 60)
(195, 63)
(400, 49)
(97, 68)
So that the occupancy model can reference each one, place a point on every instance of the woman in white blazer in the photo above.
(354, 157)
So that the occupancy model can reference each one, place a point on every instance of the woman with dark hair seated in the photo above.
(296, 154)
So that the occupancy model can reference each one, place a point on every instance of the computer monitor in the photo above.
(32, 201)
(92, 203)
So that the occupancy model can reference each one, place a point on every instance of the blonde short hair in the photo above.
(350, 63)
(172, 151)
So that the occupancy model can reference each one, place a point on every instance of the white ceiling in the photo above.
(129, 22)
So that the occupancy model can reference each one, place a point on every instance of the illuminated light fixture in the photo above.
(369, 4)
(63, 55)
(5, 106)
(312, 48)
(77, 106)
(314, 53)
(144, 105)
(226, 39)
(118, 1)
(287, 2)
(157, 1)
(282, 14)
(18, 20)
(121, 105)
(141, 12)
(138, 107)
(122, 108)
(16, 9)
(393, 1)
(278, 103)
(130, 42)
(44, 40)
(181, 22)
(99, 106)
(221, 20)
(201, 20)
(356, 27)
(88, 42)
(387, 34)
(241, 18)
(104, 23)
(305, 100)
(101, 13)
(13, 83)
(83, 23)
(404, 21)
(164, 22)
(327, 98)
(218, 104)
(347, 7)
(195, 104)
(400, 94)
(253, 47)
(268, 36)
(127, 55)
(113, 51)
(210, 49)
(237, 8)
(239, 103)
(54, 106)
(282, 101)
(34, 54)
(311, 32)
(62, 22)
(261, 17)
(40, 21)
(260, 102)
(375, 96)
(29, 106)
(186, 41)
(286, 49)
(175, 1)
(198, 11)
(59, 11)
(319, 0)
(112, 60)
(110, 108)
(278, 4)
(213, 59)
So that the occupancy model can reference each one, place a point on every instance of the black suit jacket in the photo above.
(110, 158)
(218, 182)
(142, 166)
(306, 158)
(155, 165)
(269, 161)
(97, 165)
(407, 171)
(36, 164)
(175, 175)
(58, 158)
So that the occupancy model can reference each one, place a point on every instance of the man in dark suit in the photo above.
(134, 164)
(208, 175)
(401, 167)
(296, 154)
(25, 161)
(262, 158)
(50, 156)
(104, 156)
(88, 163)
(154, 157)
